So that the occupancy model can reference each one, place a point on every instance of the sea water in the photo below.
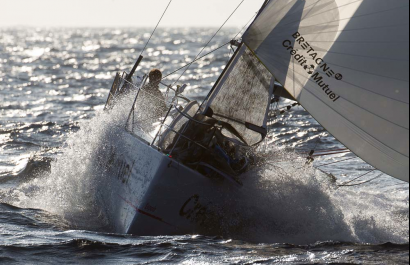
(53, 88)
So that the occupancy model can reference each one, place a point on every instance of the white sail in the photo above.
(347, 63)
(242, 96)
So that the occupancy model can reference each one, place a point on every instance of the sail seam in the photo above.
(403, 102)
(300, 20)
(384, 11)
(357, 29)
(357, 127)
(350, 18)
(361, 71)
(364, 41)
(407, 129)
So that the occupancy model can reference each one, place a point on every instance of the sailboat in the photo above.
(345, 61)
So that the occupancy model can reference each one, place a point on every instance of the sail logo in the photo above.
(313, 55)
(310, 59)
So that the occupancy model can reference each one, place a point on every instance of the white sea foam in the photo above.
(283, 200)
(76, 175)
(300, 205)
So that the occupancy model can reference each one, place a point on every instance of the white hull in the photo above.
(152, 194)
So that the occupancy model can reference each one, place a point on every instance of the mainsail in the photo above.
(347, 63)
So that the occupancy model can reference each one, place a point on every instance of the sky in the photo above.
(125, 13)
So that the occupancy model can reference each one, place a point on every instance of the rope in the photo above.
(146, 45)
(359, 177)
(282, 111)
(220, 47)
(334, 153)
(331, 150)
(361, 183)
(245, 25)
(209, 41)
(321, 151)
(337, 162)
(310, 158)
(318, 140)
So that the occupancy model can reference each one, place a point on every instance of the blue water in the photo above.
(53, 87)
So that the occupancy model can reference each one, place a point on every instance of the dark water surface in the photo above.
(53, 87)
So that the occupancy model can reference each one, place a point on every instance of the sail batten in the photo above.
(347, 63)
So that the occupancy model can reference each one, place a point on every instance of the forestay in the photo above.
(242, 96)
(347, 63)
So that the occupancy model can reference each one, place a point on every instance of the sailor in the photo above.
(151, 97)
(155, 77)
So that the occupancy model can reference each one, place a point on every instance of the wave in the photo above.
(197, 250)
(286, 202)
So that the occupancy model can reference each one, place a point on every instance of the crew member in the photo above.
(151, 98)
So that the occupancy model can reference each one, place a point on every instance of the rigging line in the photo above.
(220, 47)
(359, 177)
(321, 151)
(209, 41)
(319, 138)
(336, 162)
(166, 9)
(361, 183)
(328, 154)
(245, 25)
(231, 52)
(330, 150)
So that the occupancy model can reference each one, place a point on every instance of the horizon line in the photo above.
(115, 27)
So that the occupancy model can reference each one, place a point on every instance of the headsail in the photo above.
(242, 96)
(347, 63)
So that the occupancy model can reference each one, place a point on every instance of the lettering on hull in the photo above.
(123, 170)
(195, 212)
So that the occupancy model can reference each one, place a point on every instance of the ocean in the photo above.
(53, 88)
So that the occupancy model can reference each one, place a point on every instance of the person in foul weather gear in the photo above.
(155, 78)
(151, 98)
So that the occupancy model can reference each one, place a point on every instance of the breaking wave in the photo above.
(300, 205)
(68, 185)
(285, 201)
